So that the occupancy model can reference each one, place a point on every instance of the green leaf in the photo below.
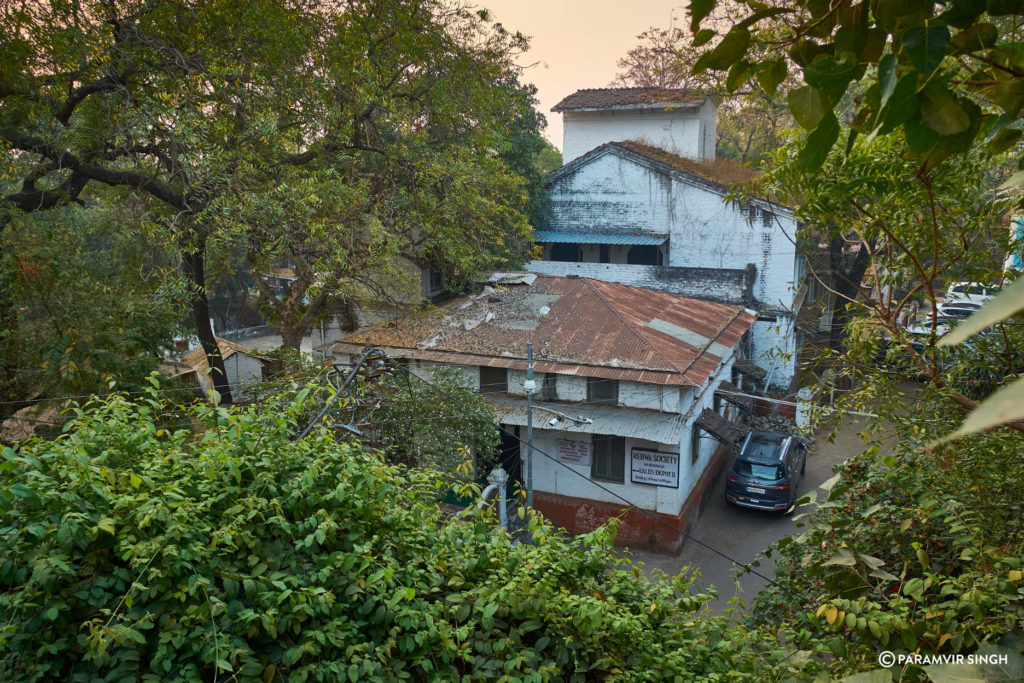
(739, 74)
(926, 46)
(106, 524)
(819, 144)
(1004, 304)
(806, 106)
(1002, 8)
(1004, 139)
(942, 113)
(698, 10)
(829, 75)
(903, 104)
(887, 78)
(733, 46)
(1005, 405)
(771, 74)
(978, 37)
(702, 37)
(920, 138)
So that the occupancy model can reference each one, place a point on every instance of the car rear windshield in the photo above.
(755, 470)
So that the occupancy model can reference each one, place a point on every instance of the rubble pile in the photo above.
(774, 423)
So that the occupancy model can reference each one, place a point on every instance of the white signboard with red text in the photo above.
(574, 452)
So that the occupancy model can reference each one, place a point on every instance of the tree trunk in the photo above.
(195, 271)
(846, 283)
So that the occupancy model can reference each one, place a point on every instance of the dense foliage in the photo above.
(116, 309)
(342, 140)
(205, 543)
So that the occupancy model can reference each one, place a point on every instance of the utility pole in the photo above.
(529, 386)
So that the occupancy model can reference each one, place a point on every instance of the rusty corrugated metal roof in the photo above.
(592, 328)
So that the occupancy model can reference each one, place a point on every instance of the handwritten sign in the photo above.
(574, 452)
(653, 467)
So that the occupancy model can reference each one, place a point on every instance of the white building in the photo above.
(244, 367)
(645, 205)
(640, 368)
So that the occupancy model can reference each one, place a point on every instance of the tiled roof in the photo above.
(592, 328)
(197, 359)
(607, 98)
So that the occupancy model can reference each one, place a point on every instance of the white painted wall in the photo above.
(242, 371)
(614, 194)
(611, 194)
(686, 131)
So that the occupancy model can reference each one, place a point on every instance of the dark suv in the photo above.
(767, 472)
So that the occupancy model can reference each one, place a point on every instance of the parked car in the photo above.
(956, 309)
(970, 292)
(767, 472)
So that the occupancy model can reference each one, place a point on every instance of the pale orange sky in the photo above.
(576, 43)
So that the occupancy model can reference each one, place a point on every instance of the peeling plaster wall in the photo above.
(712, 245)
(612, 194)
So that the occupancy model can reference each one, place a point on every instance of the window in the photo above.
(644, 255)
(604, 255)
(549, 387)
(570, 253)
(602, 391)
(609, 458)
(493, 380)
(432, 282)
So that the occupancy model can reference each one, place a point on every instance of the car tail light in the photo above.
(784, 486)
(732, 478)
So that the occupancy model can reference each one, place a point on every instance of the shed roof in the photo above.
(628, 98)
(591, 328)
(197, 362)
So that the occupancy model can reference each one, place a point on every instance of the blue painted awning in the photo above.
(597, 238)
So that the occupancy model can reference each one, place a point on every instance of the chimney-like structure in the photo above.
(677, 121)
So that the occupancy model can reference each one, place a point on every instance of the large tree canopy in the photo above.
(335, 136)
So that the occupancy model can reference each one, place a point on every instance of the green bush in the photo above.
(223, 550)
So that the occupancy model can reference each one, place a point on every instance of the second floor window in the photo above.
(493, 380)
(602, 391)
(549, 387)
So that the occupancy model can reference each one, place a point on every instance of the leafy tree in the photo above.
(103, 325)
(207, 543)
(220, 122)
(751, 120)
(946, 74)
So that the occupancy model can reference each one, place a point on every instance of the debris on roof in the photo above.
(577, 326)
(607, 98)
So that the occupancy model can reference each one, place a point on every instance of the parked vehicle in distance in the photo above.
(957, 309)
(970, 292)
(767, 472)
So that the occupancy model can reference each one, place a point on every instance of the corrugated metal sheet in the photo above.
(664, 428)
(592, 328)
(559, 236)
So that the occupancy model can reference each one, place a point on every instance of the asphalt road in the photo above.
(744, 534)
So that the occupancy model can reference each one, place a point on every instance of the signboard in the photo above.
(652, 467)
(574, 452)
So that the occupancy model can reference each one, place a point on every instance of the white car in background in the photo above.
(970, 293)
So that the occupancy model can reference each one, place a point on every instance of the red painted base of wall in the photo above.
(637, 529)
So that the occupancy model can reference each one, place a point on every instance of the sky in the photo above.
(576, 43)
